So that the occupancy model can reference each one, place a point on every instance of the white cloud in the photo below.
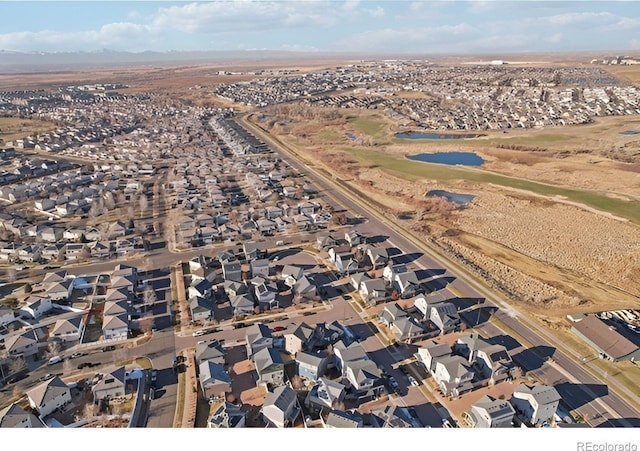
(582, 18)
(116, 36)
(376, 12)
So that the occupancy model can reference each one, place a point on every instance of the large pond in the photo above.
(460, 199)
(418, 135)
(453, 158)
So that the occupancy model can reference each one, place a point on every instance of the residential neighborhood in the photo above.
(164, 265)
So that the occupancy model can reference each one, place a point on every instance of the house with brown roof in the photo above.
(606, 339)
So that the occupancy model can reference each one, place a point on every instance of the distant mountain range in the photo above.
(12, 62)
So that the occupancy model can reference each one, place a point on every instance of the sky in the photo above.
(399, 26)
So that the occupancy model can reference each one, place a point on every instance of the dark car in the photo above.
(108, 348)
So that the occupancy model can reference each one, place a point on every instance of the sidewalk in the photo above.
(190, 391)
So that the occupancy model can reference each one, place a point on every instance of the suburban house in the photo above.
(49, 396)
(6, 315)
(214, 380)
(489, 412)
(265, 294)
(391, 270)
(296, 337)
(378, 256)
(445, 317)
(291, 274)
(242, 305)
(281, 408)
(392, 417)
(14, 416)
(407, 284)
(391, 313)
(68, 329)
(312, 365)
(259, 267)
(58, 291)
(115, 327)
(453, 375)
(357, 278)
(257, 337)
(305, 289)
(354, 238)
(373, 289)
(227, 416)
(430, 353)
(344, 419)
(360, 371)
(201, 308)
(232, 271)
(269, 366)
(36, 306)
(406, 329)
(325, 395)
(536, 404)
(346, 262)
(210, 350)
(491, 361)
(22, 344)
(201, 288)
(110, 385)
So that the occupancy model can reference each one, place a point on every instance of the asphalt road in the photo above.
(597, 406)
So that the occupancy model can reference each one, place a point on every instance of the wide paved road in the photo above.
(596, 406)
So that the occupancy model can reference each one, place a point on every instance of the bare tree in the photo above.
(143, 203)
(17, 364)
(18, 391)
(146, 324)
(149, 296)
(52, 349)
(11, 274)
(296, 382)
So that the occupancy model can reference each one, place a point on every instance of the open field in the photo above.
(12, 128)
(555, 227)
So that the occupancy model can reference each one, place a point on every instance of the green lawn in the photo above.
(413, 170)
(368, 126)
(329, 135)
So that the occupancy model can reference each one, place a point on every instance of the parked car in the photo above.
(75, 355)
(55, 359)
(199, 333)
(47, 376)
(108, 348)
(279, 328)
(393, 382)
(412, 381)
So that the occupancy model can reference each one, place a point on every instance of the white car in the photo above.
(412, 381)
(199, 333)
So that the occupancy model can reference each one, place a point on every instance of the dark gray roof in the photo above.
(543, 394)
(344, 419)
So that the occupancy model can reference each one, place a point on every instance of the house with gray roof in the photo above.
(36, 306)
(378, 256)
(14, 416)
(211, 350)
(430, 353)
(49, 396)
(227, 416)
(346, 419)
(489, 412)
(232, 271)
(21, 344)
(269, 366)
(325, 395)
(68, 329)
(453, 375)
(357, 278)
(242, 305)
(494, 363)
(373, 289)
(392, 416)
(311, 365)
(281, 408)
(115, 327)
(257, 337)
(536, 404)
(407, 284)
(259, 267)
(305, 289)
(110, 385)
(445, 316)
(6, 315)
(297, 336)
(201, 308)
(391, 313)
(291, 274)
(406, 329)
(215, 381)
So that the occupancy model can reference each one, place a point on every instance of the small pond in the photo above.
(460, 199)
(453, 158)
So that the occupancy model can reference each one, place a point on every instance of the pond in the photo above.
(452, 158)
(630, 132)
(419, 135)
(460, 199)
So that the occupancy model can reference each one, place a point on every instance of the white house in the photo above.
(68, 329)
(36, 306)
(48, 396)
(281, 407)
(115, 327)
(6, 315)
(537, 404)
